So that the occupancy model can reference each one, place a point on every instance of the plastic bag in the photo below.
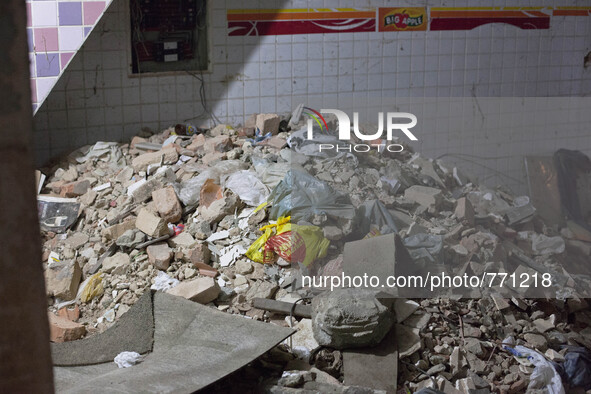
(210, 192)
(299, 142)
(93, 287)
(256, 251)
(248, 187)
(229, 166)
(544, 374)
(259, 137)
(127, 359)
(303, 244)
(302, 196)
(425, 246)
(271, 174)
(375, 216)
(99, 149)
(57, 214)
(188, 191)
(576, 368)
(542, 244)
(293, 243)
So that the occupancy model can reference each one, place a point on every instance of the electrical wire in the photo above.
(138, 17)
(202, 94)
(466, 157)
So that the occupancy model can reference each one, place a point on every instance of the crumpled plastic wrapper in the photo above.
(127, 359)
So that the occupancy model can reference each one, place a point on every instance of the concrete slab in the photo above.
(194, 346)
(375, 367)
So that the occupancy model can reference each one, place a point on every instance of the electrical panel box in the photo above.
(168, 35)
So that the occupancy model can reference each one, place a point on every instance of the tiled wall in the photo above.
(56, 29)
(96, 99)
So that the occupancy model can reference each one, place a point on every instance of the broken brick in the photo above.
(268, 123)
(72, 314)
(168, 155)
(201, 290)
(151, 224)
(62, 329)
(221, 143)
(75, 189)
(62, 279)
(199, 254)
(167, 204)
(159, 255)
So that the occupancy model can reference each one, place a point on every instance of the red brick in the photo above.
(200, 254)
(64, 330)
(75, 189)
(70, 314)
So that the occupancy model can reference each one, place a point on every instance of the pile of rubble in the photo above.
(180, 210)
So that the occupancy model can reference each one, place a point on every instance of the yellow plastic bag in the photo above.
(292, 242)
(93, 288)
(256, 251)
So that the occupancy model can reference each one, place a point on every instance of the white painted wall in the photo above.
(97, 100)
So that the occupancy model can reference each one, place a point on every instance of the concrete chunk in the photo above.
(423, 195)
(198, 144)
(141, 191)
(408, 339)
(359, 366)
(116, 264)
(167, 204)
(536, 341)
(221, 143)
(117, 230)
(77, 240)
(268, 123)
(404, 308)
(367, 319)
(62, 279)
(183, 240)
(381, 256)
(159, 255)
(151, 224)
(167, 155)
(465, 211)
(218, 209)
(212, 157)
(201, 290)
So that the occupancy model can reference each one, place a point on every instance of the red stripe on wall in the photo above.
(271, 28)
(471, 23)
(570, 12)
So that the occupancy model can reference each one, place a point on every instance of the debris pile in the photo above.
(233, 217)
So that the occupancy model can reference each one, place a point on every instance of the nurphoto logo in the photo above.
(375, 140)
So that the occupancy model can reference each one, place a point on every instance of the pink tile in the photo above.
(65, 58)
(46, 39)
(92, 11)
(33, 91)
(29, 24)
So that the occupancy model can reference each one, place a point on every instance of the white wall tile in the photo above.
(255, 74)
